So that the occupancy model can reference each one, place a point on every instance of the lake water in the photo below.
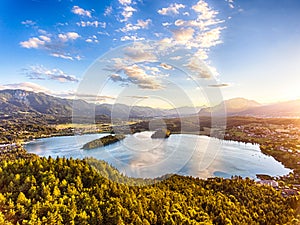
(140, 156)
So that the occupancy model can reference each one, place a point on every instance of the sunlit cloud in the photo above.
(138, 76)
(183, 35)
(199, 69)
(35, 42)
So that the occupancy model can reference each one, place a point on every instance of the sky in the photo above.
(149, 52)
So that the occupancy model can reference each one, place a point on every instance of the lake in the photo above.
(140, 156)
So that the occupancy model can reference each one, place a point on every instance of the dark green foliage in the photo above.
(161, 133)
(67, 191)
(107, 140)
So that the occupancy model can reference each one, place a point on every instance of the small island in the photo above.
(161, 133)
(100, 142)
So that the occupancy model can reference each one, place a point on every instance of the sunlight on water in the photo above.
(140, 156)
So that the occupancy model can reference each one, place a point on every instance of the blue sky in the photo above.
(251, 49)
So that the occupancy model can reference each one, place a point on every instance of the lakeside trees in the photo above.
(107, 140)
(67, 191)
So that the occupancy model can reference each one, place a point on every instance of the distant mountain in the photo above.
(18, 103)
(281, 109)
(231, 107)
(26, 104)
(245, 107)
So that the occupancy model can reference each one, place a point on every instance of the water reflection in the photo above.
(140, 156)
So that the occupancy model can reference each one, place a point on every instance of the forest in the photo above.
(103, 141)
(67, 191)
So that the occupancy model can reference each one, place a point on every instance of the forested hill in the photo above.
(67, 191)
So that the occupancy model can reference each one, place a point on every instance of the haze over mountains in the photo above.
(20, 102)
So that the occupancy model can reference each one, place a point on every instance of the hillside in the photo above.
(67, 191)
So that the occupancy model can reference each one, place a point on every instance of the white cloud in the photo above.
(127, 12)
(132, 38)
(125, 2)
(92, 39)
(45, 38)
(210, 38)
(205, 12)
(182, 36)
(28, 23)
(40, 72)
(202, 54)
(166, 24)
(33, 42)
(153, 70)
(200, 24)
(129, 27)
(61, 55)
(43, 32)
(140, 52)
(68, 36)
(54, 46)
(141, 24)
(108, 11)
(176, 57)
(91, 24)
(171, 10)
(231, 4)
(80, 11)
(27, 86)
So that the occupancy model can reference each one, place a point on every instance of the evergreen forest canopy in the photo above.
(67, 191)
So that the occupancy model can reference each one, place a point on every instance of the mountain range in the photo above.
(245, 107)
(20, 102)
